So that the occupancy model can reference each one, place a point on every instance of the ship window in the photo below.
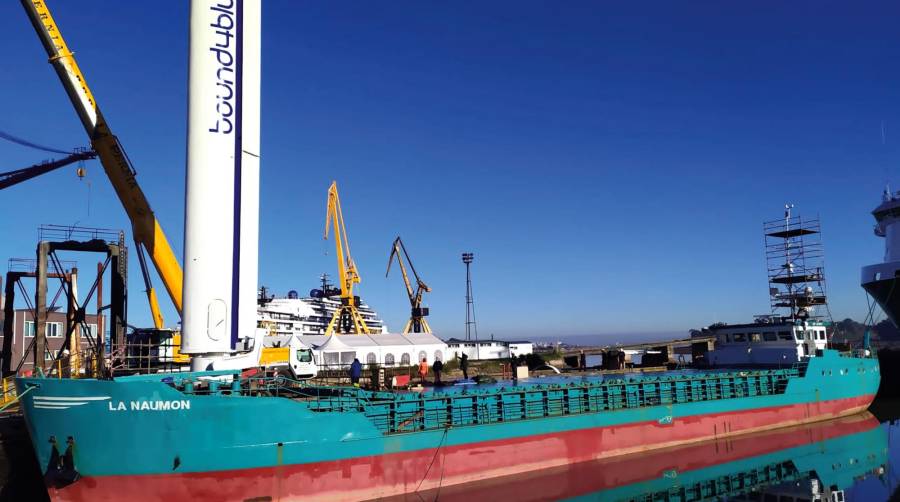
(755, 337)
(389, 359)
(304, 355)
(740, 337)
(728, 337)
(821, 335)
(785, 335)
(769, 336)
(404, 360)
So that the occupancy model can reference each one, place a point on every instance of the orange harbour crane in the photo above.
(347, 318)
(417, 312)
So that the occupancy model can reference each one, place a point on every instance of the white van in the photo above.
(302, 360)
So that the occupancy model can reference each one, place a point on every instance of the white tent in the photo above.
(388, 349)
(334, 353)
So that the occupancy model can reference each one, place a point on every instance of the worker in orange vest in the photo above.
(423, 370)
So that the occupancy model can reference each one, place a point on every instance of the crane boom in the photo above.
(148, 233)
(396, 249)
(11, 178)
(417, 313)
(347, 314)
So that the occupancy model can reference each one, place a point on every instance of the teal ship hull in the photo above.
(347, 443)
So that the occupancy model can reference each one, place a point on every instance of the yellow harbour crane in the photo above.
(347, 318)
(417, 312)
(148, 234)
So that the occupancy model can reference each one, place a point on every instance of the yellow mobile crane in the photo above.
(148, 234)
(347, 315)
(417, 312)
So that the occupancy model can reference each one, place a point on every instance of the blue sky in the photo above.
(609, 165)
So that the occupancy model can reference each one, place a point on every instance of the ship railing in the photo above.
(399, 413)
(800, 367)
(733, 485)
(858, 353)
(231, 382)
(392, 412)
(84, 363)
(146, 357)
(377, 374)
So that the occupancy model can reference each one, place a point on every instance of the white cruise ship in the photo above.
(296, 315)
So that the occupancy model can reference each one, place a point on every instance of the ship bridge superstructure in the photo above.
(798, 324)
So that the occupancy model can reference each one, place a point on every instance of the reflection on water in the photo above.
(844, 459)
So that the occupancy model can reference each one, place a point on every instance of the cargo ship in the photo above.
(344, 443)
(221, 421)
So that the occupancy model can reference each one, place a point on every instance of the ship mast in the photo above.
(795, 263)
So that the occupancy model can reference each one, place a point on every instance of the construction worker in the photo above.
(423, 370)
(438, 367)
(355, 372)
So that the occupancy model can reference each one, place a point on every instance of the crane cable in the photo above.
(29, 144)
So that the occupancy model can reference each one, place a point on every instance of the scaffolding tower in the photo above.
(795, 260)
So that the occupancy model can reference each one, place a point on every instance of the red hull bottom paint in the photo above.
(608, 473)
(400, 473)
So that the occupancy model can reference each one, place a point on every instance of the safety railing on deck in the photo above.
(393, 412)
(410, 412)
